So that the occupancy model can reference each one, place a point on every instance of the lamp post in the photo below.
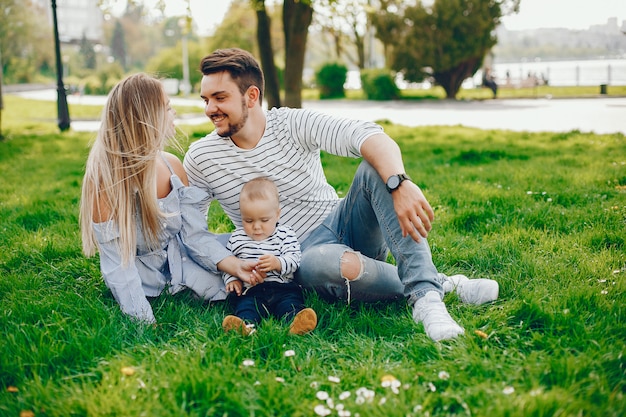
(63, 112)
(185, 26)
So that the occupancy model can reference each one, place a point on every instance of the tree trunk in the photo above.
(297, 17)
(452, 79)
(264, 39)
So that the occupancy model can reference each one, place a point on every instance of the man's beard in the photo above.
(234, 128)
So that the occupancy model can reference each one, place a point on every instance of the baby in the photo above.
(277, 251)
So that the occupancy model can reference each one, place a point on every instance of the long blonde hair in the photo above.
(120, 174)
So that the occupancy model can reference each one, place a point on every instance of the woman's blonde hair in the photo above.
(120, 174)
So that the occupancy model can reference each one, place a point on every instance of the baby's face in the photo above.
(259, 218)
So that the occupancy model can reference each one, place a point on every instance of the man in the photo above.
(344, 241)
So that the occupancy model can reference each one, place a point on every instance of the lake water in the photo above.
(564, 73)
(557, 73)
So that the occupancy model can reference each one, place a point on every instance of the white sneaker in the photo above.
(471, 291)
(432, 313)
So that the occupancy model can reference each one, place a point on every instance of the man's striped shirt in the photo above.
(288, 154)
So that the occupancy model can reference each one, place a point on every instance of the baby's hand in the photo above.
(268, 263)
(234, 286)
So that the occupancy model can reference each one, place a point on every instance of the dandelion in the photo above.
(321, 410)
(386, 380)
(344, 413)
(382, 401)
(529, 192)
(322, 395)
(281, 380)
(443, 375)
(604, 292)
(481, 334)
(248, 362)
(344, 395)
(617, 271)
(508, 390)
(334, 379)
(314, 384)
(127, 370)
(432, 387)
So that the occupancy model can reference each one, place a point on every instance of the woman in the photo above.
(138, 211)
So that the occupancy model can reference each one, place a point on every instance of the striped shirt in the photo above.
(282, 243)
(288, 154)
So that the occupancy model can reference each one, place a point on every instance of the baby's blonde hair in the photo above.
(260, 188)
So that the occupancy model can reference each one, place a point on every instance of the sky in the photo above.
(534, 14)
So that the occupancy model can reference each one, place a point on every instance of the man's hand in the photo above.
(413, 210)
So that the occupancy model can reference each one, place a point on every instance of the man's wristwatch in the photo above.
(395, 180)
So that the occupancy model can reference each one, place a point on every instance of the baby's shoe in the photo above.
(304, 322)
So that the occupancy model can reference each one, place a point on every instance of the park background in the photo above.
(543, 213)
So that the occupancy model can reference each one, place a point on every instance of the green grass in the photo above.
(542, 213)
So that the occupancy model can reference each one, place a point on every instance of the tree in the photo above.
(346, 23)
(264, 36)
(447, 41)
(297, 17)
(118, 44)
(25, 41)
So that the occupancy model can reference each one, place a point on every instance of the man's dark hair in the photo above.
(241, 65)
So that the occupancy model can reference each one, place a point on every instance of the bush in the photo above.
(330, 79)
(379, 84)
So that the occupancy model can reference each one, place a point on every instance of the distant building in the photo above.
(75, 19)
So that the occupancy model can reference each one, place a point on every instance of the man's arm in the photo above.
(413, 210)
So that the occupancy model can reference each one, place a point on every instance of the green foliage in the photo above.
(542, 213)
(169, 64)
(330, 79)
(446, 41)
(379, 84)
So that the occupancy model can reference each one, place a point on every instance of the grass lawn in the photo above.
(544, 214)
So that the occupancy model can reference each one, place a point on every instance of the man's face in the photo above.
(223, 103)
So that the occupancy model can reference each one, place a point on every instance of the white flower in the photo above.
(432, 387)
(320, 410)
(322, 395)
(289, 353)
(314, 384)
(279, 379)
(344, 395)
(508, 390)
(248, 362)
(443, 375)
(334, 379)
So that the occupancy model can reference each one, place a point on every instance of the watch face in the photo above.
(393, 182)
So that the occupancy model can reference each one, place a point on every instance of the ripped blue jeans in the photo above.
(365, 223)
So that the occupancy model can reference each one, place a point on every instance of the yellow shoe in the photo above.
(304, 322)
(234, 323)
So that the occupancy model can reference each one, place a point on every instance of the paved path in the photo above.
(598, 115)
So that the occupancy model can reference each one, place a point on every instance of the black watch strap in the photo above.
(394, 181)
